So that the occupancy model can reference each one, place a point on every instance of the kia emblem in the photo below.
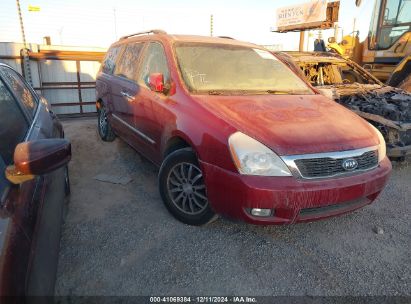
(349, 164)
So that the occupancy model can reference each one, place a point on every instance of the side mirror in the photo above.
(156, 82)
(37, 158)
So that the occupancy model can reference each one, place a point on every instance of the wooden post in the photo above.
(80, 98)
(302, 35)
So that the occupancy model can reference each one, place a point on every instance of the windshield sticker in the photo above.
(265, 54)
(194, 75)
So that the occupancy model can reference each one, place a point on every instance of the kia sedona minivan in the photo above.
(236, 132)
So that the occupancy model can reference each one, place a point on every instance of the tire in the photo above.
(104, 128)
(183, 190)
(67, 187)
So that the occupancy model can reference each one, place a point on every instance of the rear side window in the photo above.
(13, 124)
(154, 61)
(109, 62)
(128, 63)
(20, 89)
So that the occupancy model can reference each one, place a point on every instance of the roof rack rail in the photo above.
(144, 33)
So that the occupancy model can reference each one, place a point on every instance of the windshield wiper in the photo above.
(227, 92)
(251, 92)
(213, 92)
(279, 92)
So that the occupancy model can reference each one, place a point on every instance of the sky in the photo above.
(99, 23)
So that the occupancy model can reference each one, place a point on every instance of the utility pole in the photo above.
(115, 22)
(211, 25)
(24, 52)
(61, 34)
(336, 31)
(23, 35)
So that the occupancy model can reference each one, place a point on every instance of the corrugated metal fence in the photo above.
(63, 75)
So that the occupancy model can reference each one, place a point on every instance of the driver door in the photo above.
(150, 105)
(31, 212)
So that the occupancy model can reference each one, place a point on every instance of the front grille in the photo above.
(342, 207)
(327, 166)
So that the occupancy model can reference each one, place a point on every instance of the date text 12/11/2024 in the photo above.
(203, 299)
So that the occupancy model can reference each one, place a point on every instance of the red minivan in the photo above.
(236, 132)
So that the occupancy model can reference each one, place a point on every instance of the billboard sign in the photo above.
(302, 15)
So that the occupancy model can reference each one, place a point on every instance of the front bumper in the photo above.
(293, 200)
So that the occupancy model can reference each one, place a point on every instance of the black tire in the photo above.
(177, 179)
(67, 187)
(104, 128)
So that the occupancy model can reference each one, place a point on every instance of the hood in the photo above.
(292, 124)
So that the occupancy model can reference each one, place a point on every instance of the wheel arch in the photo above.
(99, 103)
(176, 142)
(178, 139)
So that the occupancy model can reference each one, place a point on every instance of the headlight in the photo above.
(253, 158)
(382, 148)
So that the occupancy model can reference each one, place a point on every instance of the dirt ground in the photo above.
(119, 239)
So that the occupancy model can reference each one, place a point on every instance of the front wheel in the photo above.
(67, 187)
(183, 190)
(104, 129)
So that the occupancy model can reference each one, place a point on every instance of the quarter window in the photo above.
(128, 63)
(13, 125)
(154, 61)
(109, 62)
(20, 89)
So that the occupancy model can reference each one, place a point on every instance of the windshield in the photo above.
(218, 69)
(334, 73)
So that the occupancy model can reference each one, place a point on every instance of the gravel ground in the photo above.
(120, 240)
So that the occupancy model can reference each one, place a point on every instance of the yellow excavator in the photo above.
(386, 52)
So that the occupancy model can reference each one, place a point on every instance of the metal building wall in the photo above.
(65, 76)
(10, 54)
(64, 73)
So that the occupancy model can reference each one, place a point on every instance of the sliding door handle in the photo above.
(127, 95)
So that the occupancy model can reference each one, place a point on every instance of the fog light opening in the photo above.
(261, 212)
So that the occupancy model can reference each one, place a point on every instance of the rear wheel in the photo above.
(183, 190)
(104, 129)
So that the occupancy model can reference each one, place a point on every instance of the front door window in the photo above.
(154, 61)
(13, 124)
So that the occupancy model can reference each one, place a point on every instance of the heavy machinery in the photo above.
(386, 52)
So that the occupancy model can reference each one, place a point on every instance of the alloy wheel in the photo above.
(103, 121)
(186, 188)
